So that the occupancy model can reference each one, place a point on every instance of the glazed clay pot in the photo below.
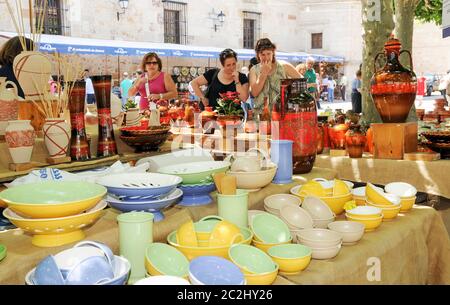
(56, 137)
(393, 88)
(9, 107)
(355, 142)
(229, 124)
(207, 116)
(337, 135)
(20, 136)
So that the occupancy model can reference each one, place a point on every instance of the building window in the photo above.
(175, 25)
(316, 41)
(252, 29)
(53, 17)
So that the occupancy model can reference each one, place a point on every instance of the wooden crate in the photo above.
(393, 140)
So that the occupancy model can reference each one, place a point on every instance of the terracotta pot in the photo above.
(337, 135)
(207, 118)
(369, 141)
(32, 70)
(56, 137)
(9, 107)
(355, 142)
(229, 124)
(20, 136)
(355, 151)
(393, 88)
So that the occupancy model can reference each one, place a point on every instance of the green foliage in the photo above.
(130, 104)
(229, 104)
(429, 11)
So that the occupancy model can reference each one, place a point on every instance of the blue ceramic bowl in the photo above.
(214, 270)
(140, 186)
(47, 272)
(121, 272)
(90, 271)
(153, 206)
(196, 194)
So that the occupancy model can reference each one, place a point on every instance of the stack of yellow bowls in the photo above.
(371, 217)
(405, 191)
(335, 197)
(388, 203)
(54, 212)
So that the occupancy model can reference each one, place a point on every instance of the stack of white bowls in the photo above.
(296, 218)
(325, 244)
(320, 212)
(273, 203)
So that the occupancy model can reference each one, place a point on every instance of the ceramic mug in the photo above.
(234, 208)
(135, 233)
(281, 155)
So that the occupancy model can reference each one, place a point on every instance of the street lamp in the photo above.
(221, 19)
(123, 5)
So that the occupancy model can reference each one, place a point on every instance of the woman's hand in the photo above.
(236, 76)
(266, 67)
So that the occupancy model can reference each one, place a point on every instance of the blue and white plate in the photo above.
(153, 206)
(140, 186)
(196, 194)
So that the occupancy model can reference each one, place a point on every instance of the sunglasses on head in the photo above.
(151, 63)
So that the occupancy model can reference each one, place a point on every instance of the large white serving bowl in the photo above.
(253, 181)
(351, 231)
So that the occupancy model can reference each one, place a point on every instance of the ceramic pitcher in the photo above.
(135, 233)
(9, 106)
(248, 162)
(20, 136)
(281, 155)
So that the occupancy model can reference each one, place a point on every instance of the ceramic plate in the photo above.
(123, 205)
(193, 71)
(200, 70)
(184, 71)
(176, 71)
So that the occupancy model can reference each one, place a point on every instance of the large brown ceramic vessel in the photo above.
(393, 87)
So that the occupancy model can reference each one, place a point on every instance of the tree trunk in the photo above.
(404, 28)
(378, 24)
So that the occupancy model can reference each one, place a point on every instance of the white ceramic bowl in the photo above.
(319, 237)
(163, 280)
(322, 223)
(273, 203)
(254, 180)
(401, 189)
(361, 191)
(351, 231)
(325, 253)
(317, 208)
(296, 217)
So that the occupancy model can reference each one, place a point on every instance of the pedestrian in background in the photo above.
(90, 93)
(343, 85)
(331, 85)
(125, 85)
(356, 93)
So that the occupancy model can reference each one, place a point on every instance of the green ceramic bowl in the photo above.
(251, 259)
(2, 252)
(162, 259)
(270, 229)
(53, 199)
(290, 251)
(196, 172)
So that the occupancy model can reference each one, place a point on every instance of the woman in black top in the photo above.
(10, 50)
(221, 80)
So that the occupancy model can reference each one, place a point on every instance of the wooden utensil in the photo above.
(217, 180)
(228, 185)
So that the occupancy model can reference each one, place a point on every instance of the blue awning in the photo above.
(75, 45)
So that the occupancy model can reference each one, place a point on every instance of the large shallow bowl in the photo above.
(196, 172)
(336, 203)
(193, 252)
(351, 231)
(52, 232)
(253, 181)
(139, 186)
(270, 229)
(214, 270)
(122, 268)
(143, 143)
(153, 206)
(52, 199)
(162, 259)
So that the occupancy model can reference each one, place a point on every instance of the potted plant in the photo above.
(132, 117)
(229, 110)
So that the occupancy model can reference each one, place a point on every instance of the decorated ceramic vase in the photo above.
(9, 107)
(20, 136)
(295, 118)
(33, 70)
(79, 145)
(106, 142)
(56, 137)
(355, 141)
(394, 87)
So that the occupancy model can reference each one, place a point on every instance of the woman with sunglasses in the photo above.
(161, 85)
(221, 80)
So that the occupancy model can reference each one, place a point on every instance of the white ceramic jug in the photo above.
(9, 107)
(248, 162)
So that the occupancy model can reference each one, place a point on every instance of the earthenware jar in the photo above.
(355, 141)
(20, 136)
(394, 87)
(56, 137)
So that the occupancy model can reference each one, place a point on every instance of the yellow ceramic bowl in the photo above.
(290, 262)
(336, 203)
(365, 212)
(225, 233)
(186, 235)
(359, 200)
(53, 232)
(370, 224)
(193, 252)
(389, 212)
(265, 247)
(53, 199)
(407, 203)
(260, 278)
(374, 194)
